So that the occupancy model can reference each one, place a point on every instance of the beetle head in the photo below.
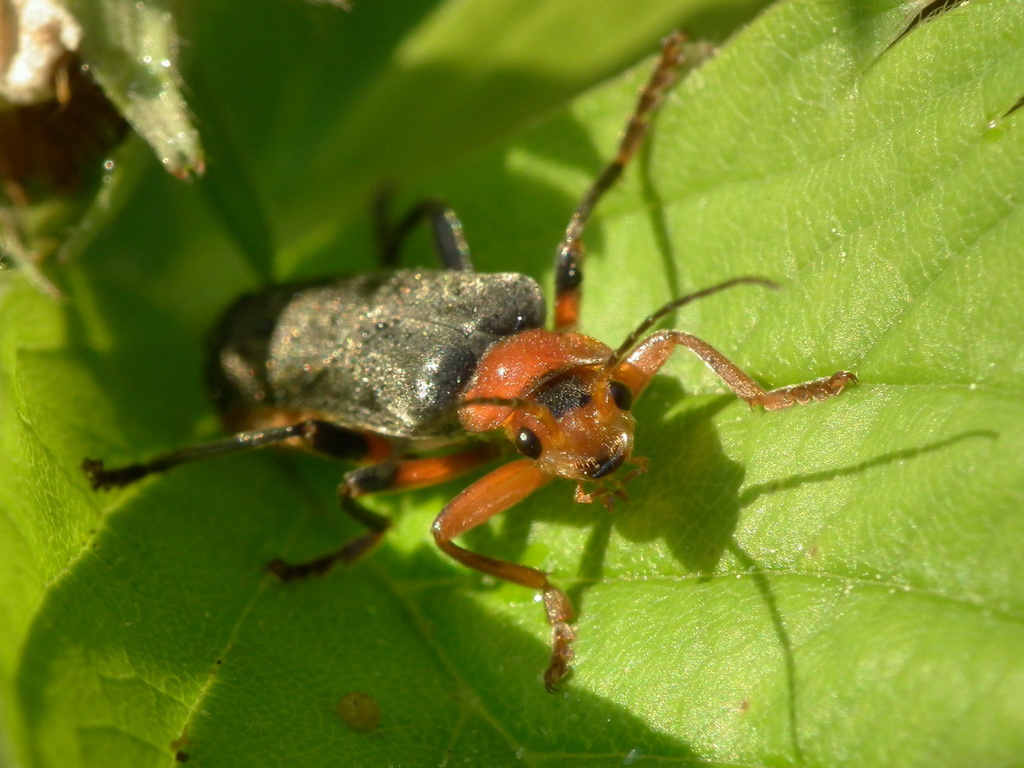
(577, 425)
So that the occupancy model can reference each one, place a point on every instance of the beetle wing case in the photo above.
(386, 353)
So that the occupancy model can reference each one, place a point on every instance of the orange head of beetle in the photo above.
(575, 425)
(564, 399)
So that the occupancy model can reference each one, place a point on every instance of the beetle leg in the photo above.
(569, 256)
(451, 243)
(377, 478)
(644, 361)
(492, 494)
(320, 436)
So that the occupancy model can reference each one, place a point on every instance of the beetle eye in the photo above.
(528, 444)
(621, 394)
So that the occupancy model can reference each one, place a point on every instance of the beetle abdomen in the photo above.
(387, 353)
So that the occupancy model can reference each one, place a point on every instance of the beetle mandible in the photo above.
(379, 368)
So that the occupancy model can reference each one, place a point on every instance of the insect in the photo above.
(382, 368)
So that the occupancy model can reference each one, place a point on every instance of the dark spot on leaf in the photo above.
(178, 743)
(359, 711)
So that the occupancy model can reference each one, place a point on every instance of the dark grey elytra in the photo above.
(388, 353)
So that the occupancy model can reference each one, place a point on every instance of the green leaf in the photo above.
(132, 50)
(837, 584)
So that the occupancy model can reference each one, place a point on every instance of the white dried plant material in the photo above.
(34, 36)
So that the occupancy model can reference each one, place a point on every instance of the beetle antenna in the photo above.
(620, 354)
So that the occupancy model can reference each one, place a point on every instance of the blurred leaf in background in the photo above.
(832, 585)
(73, 77)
